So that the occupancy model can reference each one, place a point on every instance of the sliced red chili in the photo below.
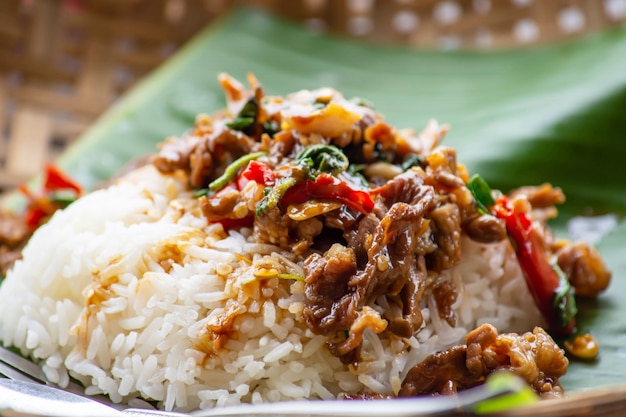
(55, 180)
(328, 186)
(256, 171)
(235, 223)
(548, 285)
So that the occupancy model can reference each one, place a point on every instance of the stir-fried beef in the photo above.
(376, 215)
(331, 303)
(585, 268)
(205, 157)
(273, 227)
(485, 228)
(393, 269)
(408, 300)
(446, 224)
(533, 356)
(542, 196)
(445, 293)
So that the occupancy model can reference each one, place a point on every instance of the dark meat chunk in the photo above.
(534, 356)
(306, 231)
(392, 249)
(206, 157)
(357, 236)
(282, 145)
(442, 170)
(438, 373)
(405, 188)
(409, 301)
(221, 205)
(446, 226)
(445, 293)
(584, 267)
(367, 318)
(335, 297)
(331, 305)
(175, 154)
(485, 228)
(542, 196)
(273, 227)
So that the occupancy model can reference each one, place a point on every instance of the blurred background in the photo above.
(63, 62)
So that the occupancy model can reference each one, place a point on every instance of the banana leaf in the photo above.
(555, 114)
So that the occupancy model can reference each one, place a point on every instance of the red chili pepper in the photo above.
(41, 204)
(297, 194)
(548, 285)
(56, 180)
(235, 223)
(256, 171)
(329, 187)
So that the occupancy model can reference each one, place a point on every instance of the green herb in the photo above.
(481, 192)
(355, 176)
(232, 169)
(410, 161)
(273, 196)
(62, 199)
(323, 158)
(564, 301)
(246, 117)
(201, 192)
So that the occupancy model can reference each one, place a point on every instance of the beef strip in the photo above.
(336, 302)
(331, 304)
(446, 225)
(534, 356)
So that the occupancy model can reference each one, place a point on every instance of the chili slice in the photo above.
(548, 285)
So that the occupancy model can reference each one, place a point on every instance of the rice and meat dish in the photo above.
(297, 247)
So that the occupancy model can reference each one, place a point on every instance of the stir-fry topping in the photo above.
(57, 191)
(376, 218)
(372, 211)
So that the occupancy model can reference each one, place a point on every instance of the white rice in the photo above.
(97, 297)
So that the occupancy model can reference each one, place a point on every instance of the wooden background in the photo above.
(62, 63)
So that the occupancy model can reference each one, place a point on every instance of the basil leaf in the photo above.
(323, 158)
(246, 117)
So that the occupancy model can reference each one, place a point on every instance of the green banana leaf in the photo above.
(555, 113)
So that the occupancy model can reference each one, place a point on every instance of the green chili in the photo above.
(232, 169)
(291, 276)
(274, 195)
(481, 192)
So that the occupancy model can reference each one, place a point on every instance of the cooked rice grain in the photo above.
(118, 289)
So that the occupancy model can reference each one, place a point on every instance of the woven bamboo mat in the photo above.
(63, 62)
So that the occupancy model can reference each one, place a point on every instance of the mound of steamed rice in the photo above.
(118, 291)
